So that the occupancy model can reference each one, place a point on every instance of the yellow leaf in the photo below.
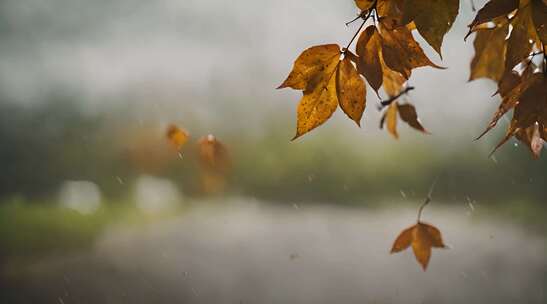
(391, 119)
(318, 104)
(176, 136)
(351, 90)
(310, 65)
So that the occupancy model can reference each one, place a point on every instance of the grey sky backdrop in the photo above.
(204, 59)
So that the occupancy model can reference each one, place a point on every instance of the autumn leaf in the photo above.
(539, 17)
(368, 49)
(401, 52)
(351, 90)
(433, 18)
(490, 48)
(531, 137)
(177, 137)
(213, 155)
(311, 65)
(519, 44)
(422, 237)
(364, 4)
(406, 112)
(493, 9)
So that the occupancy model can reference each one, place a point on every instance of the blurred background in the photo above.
(96, 206)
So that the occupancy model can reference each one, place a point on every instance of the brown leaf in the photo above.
(390, 12)
(401, 52)
(531, 137)
(511, 98)
(351, 90)
(213, 155)
(494, 9)
(519, 45)
(177, 137)
(368, 49)
(539, 17)
(433, 19)
(422, 237)
(408, 114)
(489, 60)
(364, 4)
(310, 66)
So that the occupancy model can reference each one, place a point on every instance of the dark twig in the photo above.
(387, 102)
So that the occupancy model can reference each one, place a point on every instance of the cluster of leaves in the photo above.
(510, 35)
(385, 55)
(213, 157)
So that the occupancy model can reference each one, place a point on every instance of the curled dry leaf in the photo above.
(177, 137)
(422, 237)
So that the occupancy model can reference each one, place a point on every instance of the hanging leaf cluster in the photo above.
(510, 38)
(385, 55)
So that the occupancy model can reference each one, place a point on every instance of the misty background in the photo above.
(88, 88)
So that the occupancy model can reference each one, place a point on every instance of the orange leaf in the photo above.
(351, 90)
(177, 137)
(422, 237)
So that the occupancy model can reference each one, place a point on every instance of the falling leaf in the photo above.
(422, 237)
(213, 155)
(433, 19)
(351, 90)
(177, 137)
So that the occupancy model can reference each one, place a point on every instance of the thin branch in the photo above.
(387, 102)
(358, 31)
(427, 199)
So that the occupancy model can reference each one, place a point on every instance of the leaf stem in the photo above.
(427, 199)
(365, 18)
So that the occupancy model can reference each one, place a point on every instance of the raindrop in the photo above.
(295, 206)
(403, 194)
(180, 155)
(310, 178)
(120, 180)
